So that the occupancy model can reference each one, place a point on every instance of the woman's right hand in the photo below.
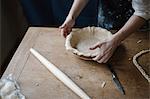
(66, 27)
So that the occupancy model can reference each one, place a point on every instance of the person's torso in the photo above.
(112, 14)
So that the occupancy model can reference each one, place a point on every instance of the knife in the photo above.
(116, 80)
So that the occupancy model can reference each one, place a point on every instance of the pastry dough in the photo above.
(140, 67)
(81, 40)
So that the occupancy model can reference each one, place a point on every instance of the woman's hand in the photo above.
(107, 48)
(66, 27)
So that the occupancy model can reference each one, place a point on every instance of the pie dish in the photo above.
(79, 41)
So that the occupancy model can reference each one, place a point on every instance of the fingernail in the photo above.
(99, 61)
(94, 59)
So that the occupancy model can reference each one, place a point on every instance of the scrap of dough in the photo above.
(103, 84)
(140, 67)
(9, 89)
(139, 41)
(81, 40)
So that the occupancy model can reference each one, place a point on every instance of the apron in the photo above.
(113, 14)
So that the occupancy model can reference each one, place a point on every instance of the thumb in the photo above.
(62, 26)
(98, 45)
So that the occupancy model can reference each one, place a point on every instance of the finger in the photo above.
(109, 52)
(105, 50)
(99, 60)
(105, 58)
(98, 45)
(63, 32)
(98, 57)
(108, 57)
(67, 31)
(101, 55)
(62, 26)
(102, 59)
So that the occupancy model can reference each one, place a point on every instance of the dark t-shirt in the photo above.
(112, 14)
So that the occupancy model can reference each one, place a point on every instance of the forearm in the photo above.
(76, 8)
(132, 25)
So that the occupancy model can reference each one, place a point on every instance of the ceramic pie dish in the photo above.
(79, 41)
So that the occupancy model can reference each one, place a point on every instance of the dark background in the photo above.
(17, 15)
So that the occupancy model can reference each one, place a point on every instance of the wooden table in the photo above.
(37, 82)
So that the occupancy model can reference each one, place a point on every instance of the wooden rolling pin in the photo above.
(60, 75)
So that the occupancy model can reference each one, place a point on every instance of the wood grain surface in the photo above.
(37, 82)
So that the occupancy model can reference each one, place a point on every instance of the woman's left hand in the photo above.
(107, 48)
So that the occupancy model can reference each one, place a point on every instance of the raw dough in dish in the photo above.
(81, 40)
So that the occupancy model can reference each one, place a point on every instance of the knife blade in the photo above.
(116, 80)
